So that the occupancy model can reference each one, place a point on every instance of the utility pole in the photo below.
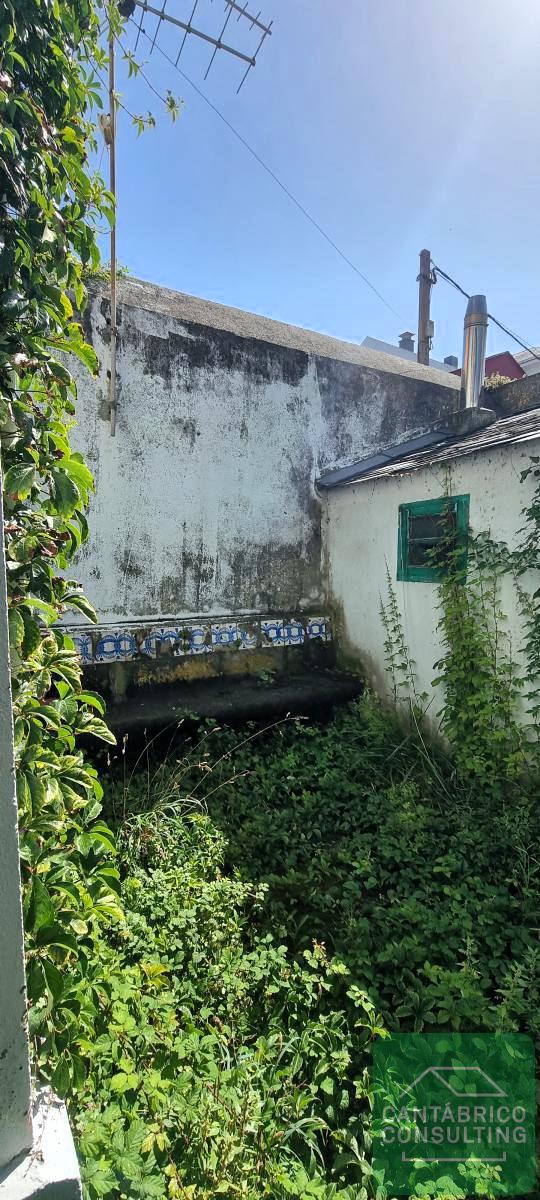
(424, 296)
(112, 186)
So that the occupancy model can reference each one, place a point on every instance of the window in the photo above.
(428, 530)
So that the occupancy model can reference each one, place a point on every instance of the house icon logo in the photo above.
(478, 1079)
(459, 1106)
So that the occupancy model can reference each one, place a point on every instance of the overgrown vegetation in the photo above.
(207, 1000)
(50, 209)
(289, 897)
(48, 214)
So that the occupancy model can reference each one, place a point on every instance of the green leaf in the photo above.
(65, 493)
(93, 725)
(93, 699)
(41, 910)
(67, 708)
(61, 1078)
(56, 935)
(23, 791)
(78, 472)
(78, 600)
(75, 344)
(16, 629)
(54, 978)
(50, 613)
(37, 792)
(32, 633)
(123, 1082)
(19, 481)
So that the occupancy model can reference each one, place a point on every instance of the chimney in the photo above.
(451, 361)
(406, 341)
(474, 351)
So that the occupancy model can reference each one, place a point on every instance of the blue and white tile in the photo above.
(272, 633)
(293, 632)
(283, 633)
(199, 640)
(248, 637)
(167, 639)
(148, 645)
(225, 636)
(115, 645)
(230, 635)
(318, 628)
(83, 646)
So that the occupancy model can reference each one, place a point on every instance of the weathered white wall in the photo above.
(205, 501)
(15, 1121)
(361, 534)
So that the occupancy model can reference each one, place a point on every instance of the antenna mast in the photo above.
(126, 8)
(112, 187)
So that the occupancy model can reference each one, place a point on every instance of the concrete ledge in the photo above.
(242, 699)
(50, 1170)
(466, 420)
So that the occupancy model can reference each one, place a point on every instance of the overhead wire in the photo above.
(254, 153)
(505, 329)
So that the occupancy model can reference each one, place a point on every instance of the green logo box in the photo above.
(454, 1114)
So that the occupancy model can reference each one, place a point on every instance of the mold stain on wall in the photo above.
(205, 499)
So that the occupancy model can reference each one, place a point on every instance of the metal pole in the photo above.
(424, 296)
(112, 185)
(474, 351)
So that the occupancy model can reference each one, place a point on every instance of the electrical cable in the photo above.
(520, 342)
(270, 172)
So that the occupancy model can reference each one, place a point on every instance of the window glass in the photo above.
(430, 531)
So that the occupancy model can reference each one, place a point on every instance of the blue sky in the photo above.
(397, 125)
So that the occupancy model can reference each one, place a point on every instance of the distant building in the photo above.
(406, 350)
(514, 366)
(526, 360)
(505, 364)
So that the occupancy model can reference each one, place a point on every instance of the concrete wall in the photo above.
(205, 507)
(15, 1120)
(362, 538)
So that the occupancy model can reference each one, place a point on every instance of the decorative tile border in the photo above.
(195, 637)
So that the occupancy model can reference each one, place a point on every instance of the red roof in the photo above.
(501, 364)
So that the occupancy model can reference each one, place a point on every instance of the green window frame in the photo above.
(417, 537)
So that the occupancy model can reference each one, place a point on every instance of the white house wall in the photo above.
(362, 539)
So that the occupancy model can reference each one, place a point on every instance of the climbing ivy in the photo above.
(50, 204)
(491, 687)
(398, 662)
(481, 683)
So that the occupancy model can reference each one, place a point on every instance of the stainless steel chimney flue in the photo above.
(474, 351)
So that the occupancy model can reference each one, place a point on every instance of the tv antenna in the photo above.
(126, 9)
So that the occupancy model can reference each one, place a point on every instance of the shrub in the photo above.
(342, 886)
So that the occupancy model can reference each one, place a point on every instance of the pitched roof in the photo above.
(193, 310)
(434, 447)
(372, 343)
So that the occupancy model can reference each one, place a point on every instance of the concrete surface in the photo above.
(50, 1170)
(205, 498)
(362, 540)
(15, 1124)
(239, 699)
